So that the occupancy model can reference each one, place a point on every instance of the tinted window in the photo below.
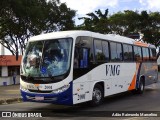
(137, 53)
(85, 42)
(100, 57)
(82, 53)
(153, 54)
(145, 54)
(116, 51)
(113, 47)
(83, 57)
(128, 52)
(105, 48)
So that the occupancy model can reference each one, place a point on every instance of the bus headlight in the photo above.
(23, 88)
(61, 89)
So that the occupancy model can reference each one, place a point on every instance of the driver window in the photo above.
(76, 58)
(81, 57)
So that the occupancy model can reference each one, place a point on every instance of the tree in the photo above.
(117, 23)
(150, 26)
(21, 19)
(96, 22)
(125, 23)
(155, 26)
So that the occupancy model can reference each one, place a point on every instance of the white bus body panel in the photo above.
(116, 79)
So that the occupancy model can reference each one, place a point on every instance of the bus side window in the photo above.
(116, 51)
(137, 53)
(145, 54)
(128, 52)
(105, 46)
(100, 57)
(153, 54)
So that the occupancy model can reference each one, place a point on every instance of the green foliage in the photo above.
(125, 23)
(21, 19)
(96, 22)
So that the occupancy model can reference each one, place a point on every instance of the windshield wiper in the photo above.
(52, 77)
(29, 77)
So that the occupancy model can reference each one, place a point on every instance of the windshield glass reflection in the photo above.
(47, 58)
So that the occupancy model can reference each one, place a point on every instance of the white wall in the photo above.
(9, 80)
(4, 71)
(4, 51)
(1, 50)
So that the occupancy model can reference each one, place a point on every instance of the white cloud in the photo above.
(142, 2)
(152, 5)
(86, 6)
(126, 0)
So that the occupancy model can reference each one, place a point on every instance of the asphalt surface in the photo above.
(10, 94)
(127, 103)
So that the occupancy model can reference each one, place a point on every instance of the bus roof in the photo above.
(76, 33)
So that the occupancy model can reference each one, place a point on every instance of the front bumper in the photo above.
(64, 98)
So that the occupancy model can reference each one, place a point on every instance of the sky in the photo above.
(86, 6)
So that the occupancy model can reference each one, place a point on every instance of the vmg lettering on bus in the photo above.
(112, 70)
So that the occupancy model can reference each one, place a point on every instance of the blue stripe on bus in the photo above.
(65, 98)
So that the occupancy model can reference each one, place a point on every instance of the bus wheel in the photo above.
(97, 95)
(140, 90)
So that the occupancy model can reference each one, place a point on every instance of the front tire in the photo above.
(97, 95)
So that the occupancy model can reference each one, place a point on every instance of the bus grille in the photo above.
(45, 99)
(38, 91)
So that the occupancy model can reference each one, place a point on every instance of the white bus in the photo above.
(71, 67)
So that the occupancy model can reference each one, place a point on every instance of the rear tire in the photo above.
(140, 89)
(97, 95)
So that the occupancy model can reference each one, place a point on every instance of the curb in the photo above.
(10, 101)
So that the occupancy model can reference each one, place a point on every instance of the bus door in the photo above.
(81, 77)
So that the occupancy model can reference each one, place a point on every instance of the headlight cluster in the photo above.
(61, 89)
(23, 88)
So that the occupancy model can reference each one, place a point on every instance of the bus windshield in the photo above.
(47, 58)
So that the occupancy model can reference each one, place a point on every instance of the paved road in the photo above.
(149, 101)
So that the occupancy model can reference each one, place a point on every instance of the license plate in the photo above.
(31, 87)
(38, 98)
